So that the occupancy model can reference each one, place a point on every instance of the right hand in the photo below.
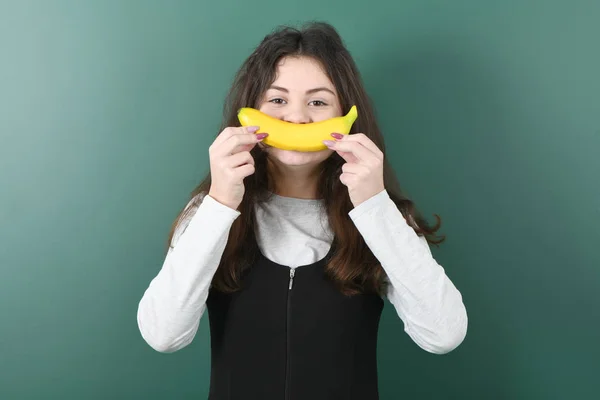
(231, 162)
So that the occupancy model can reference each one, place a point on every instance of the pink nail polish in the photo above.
(252, 129)
(338, 136)
(261, 136)
(328, 143)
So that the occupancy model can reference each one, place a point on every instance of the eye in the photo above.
(277, 101)
(318, 103)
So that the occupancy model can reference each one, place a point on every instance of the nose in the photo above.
(297, 115)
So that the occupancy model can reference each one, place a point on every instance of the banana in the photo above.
(299, 137)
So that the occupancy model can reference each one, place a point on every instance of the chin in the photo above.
(298, 158)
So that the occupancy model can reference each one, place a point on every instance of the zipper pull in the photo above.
(292, 273)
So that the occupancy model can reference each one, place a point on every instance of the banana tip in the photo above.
(353, 113)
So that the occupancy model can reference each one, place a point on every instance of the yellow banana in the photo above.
(300, 137)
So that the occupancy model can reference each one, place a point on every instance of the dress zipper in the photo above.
(287, 341)
(292, 273)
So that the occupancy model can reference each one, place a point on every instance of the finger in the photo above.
(365, 141)
(243, 147)
(348, 157)
(244, 170)
(354, 169)
(223, 136)
(348, 179)
(238, 159)
(356, 148)
(240, 142)
(231, 131)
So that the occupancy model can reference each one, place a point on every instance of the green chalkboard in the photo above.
(491, 113)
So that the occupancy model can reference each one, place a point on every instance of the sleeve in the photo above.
(425, 299)
(169, 312)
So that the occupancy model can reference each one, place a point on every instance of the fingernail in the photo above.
(261, 136)
(328, 143)
(338, 136)
(252, 129)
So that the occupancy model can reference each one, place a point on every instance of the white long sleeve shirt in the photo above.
(296, 232)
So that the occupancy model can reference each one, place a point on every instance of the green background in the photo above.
(491, 111)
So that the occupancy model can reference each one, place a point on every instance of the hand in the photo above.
(230, 163)
(362, 173)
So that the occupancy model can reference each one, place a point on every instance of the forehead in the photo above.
(301, 73)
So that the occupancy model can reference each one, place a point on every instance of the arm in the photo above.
(170, 310)
(425, 299)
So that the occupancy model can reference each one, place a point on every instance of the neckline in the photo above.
(304, 266)
(279, 200)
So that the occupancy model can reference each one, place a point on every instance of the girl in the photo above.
(292, 252)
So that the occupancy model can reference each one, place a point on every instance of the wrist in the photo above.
(224, 201)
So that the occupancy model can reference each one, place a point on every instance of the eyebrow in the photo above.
(310, 91)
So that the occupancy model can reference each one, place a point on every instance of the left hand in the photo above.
(362, 173)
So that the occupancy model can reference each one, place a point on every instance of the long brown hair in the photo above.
(352, 265)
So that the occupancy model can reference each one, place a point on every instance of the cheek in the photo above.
(270, 110)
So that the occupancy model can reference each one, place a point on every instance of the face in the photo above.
(301, 93)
